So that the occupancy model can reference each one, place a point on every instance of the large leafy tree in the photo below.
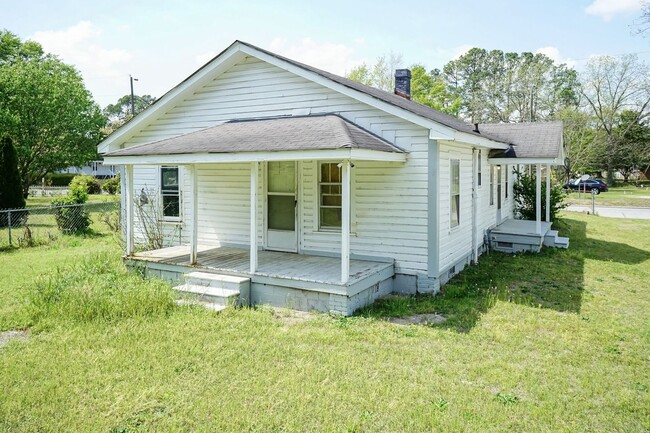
(381, 75)
(46, 110)
(510, 87)
(632, 144)
(11, 195)
(611, 86)
(584, 143)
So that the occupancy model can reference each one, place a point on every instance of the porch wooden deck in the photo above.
(513, 236)
(307, 272)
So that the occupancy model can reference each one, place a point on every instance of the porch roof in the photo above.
(274, 138)
(535, 142)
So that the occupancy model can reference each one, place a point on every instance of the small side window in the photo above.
(170, 192)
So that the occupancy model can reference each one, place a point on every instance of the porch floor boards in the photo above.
(275, 264)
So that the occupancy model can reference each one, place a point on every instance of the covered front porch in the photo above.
(266, 157)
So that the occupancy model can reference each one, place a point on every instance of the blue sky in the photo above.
(161, 42)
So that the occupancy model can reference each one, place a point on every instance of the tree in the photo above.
(510, 87)
(46, 110)
(429, 89)
(120, 112)
(584, 143)
(381, 75)
(11, 196)
(610, 86)
(631, 144)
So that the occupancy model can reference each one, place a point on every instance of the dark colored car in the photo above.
(595, 185)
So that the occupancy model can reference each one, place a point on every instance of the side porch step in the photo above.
(215, 289)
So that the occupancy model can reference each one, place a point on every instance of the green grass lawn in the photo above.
(43, 201)
(625, 195)
(555, 342)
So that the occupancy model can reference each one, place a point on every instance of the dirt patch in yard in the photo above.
(7, 336)
(418, 319)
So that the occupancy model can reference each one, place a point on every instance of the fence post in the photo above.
(9, 224)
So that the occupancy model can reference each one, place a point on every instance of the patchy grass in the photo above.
(555, 342)
(625, 196)
(44, 201)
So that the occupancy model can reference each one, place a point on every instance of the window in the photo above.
(492, 168)
(479, 173)
(507, 179)
(330, 196)
(171, 197)
(455, 192)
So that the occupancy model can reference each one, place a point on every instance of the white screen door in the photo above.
(281, 206)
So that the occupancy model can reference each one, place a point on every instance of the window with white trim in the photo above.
(170, 192)
(492, 169)
(454, 209)
(329, 196)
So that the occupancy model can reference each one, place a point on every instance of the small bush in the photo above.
(112, 185)
(58, 179)
(73, 217)
(524, 193)
(98, 288)
(86, 183)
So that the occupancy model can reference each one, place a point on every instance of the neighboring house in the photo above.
(93, 168)
(356, 192)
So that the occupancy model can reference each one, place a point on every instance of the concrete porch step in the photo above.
(561, 242)
(208, 305)
(214, 295)
(216, 280)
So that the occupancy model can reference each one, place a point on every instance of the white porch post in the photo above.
(253, 234)
(538, 199)
(548, 193)
(128, 201)
(194, 239)
(345, 221)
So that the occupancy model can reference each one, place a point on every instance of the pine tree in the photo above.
(11, 194)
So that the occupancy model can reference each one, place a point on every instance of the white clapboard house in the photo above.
(296, 187)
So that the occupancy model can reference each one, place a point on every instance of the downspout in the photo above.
(474, 202)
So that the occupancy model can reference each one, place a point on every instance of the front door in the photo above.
(281, 203)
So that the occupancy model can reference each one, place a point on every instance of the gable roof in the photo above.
(529, 140)
(323, 132)
(440, 124)
(382, 95)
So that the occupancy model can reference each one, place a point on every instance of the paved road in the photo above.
(614, 212)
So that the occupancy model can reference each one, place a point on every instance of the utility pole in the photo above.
(132, 96)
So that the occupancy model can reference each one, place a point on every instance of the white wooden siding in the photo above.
(389, 199)
(455, 242)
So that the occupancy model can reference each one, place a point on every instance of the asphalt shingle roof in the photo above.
(323, 132)
(529, 140)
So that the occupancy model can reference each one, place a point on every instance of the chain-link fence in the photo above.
(40, 225)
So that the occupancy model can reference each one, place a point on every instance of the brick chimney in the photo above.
(403, 83)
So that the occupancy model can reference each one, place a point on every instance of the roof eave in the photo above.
(298, 155)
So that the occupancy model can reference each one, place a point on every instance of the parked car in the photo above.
(595, 185)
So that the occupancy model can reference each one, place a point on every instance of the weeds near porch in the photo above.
(98, 288)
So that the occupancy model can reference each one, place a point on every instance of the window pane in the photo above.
(169, 178)
(335, 173)
(455, 207)
(331, 200)
(171, 205)
(282, 176)
(455, 176)
(281, 212)
(330, 217)
(325, 172)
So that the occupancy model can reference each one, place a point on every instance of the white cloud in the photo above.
(103, 69)
(606, 9)
(554, 54)
(336, 58)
